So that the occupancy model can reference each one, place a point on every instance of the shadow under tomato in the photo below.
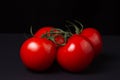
(55, 68)
(101, 64)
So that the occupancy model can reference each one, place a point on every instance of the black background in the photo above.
(18, 15)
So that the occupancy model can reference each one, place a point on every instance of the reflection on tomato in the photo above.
(76, 55)
(37, 54)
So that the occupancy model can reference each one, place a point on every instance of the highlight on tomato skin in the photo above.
(37, 54)
(76, 55)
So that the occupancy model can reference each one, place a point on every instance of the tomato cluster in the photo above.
(73, 52)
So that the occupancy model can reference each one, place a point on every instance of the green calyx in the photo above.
(31, 31)
(53, 33)
(80, 25)
(73, 25)
(77, 30)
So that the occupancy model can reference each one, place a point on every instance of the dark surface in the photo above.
(105, 67)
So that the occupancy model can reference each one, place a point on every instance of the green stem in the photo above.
(80, 25)
(77, 30)
(55, 33)
(52, 39)
(68, 29)
(50, 35)
(31, 31)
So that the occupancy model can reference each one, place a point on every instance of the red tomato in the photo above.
(37, 54)
(76, 55)
(95, 39)
(42, 31)
(58, 38)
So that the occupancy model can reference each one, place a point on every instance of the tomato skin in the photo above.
(95, 39)
(37, 54)
(76, 55)
(58, 38)
(42, 31)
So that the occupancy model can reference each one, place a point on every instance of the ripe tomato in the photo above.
(76, 55)
(58, 38)
(43, 30)
(95, 39)
(37, 54)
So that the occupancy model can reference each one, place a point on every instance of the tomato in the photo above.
(43, 30)
(76, 55)
(38, 54)
(58, 37)
(95, 39)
